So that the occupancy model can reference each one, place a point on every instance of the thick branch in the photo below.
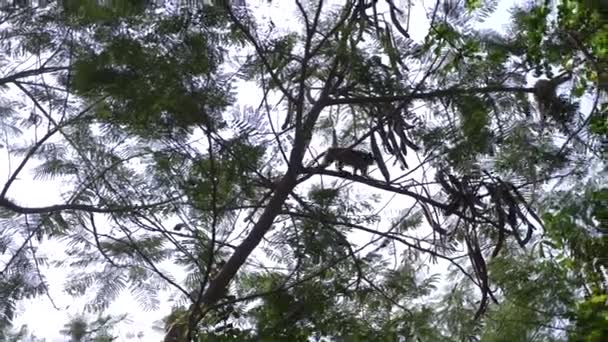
(5, 203)
(218, 285)
(376, 184)
(289, 181)
(429, 95)
(29, 73)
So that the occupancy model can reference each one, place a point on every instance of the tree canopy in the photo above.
(188, 141)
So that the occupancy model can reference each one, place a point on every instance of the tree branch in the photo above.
(426, 96)
(8, 204)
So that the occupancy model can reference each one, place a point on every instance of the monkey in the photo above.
(179, 227)
(358, 160)
(545, 96)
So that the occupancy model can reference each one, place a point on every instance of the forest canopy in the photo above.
(354, 170)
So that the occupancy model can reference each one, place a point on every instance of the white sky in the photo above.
(44, 320)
